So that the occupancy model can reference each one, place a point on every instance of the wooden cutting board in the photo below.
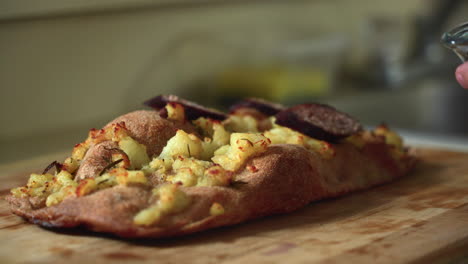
(422, 218)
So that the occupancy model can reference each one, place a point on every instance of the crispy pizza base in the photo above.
(287, 178)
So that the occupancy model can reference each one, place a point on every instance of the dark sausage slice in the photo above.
(318, 121)
(192, 110)
(261, 105)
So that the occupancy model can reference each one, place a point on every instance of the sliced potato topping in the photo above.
(42, 185)
(219, 137)
(170, 200)
(216, 209)
(215, 176)
(64, 178)
(205, 126)
(175, 112)
(391, 137)
(58, 197)
(190, 172)
(115, 132)
(20, 192)
(242, 146)
(241, 123)
(135, 151)
(62, 187)
(39, 180)
(38, 185)
(70, 164)
(284, 135)
(79, 151)
(182, 144)
(56, 188)
(358, 140)
(126, 177)
(86, 186)
(159, 165)
(135, 156)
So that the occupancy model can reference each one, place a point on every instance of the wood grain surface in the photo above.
(422, 218)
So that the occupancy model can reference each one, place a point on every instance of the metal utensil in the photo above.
(457, 40)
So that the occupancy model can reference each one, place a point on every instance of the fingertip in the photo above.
(460, 80)
(461, 74)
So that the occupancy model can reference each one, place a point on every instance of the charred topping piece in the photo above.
(192, 110)
(57, 165)
(261, 105)
(318, 121)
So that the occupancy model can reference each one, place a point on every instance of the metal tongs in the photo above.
(457, 40)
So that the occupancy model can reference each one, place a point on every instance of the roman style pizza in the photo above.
(181, 168)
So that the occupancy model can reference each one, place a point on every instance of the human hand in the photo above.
(461, 74)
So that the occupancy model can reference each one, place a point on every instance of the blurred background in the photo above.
(67, 66)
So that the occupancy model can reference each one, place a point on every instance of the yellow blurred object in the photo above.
(274, 83)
